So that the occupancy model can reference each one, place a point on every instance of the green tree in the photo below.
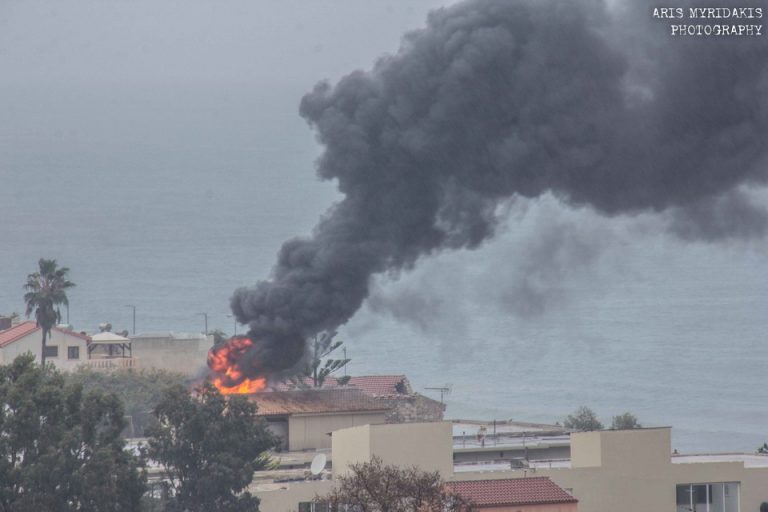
(319, 368)
(60, 447)
(46, 292)
(209, 447)
(375, 487)
(140, 391)
(626, 421)
(582, 419)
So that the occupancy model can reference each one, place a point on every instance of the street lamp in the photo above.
(205, 315)
(234, 322)
(134, 316)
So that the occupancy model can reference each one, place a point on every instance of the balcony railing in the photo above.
(112, 363)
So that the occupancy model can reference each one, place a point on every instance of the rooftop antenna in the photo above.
(444, 390)
(318, 464)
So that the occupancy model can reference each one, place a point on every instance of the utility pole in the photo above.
(234, 322)
(205, 315)
(443, 391)
(128, 306)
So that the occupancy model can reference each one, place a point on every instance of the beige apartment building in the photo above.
(608, 471)
(635, 471)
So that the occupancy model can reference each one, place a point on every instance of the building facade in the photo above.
(608, 471)
(184, 353)
(66, 350)
(304, 419)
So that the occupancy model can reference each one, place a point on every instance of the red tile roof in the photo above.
(329, 383)
(512, 492)
(73, 333)
(17, 332)
(314, 401)
(8, 336)
(381, 385)
(374, 385)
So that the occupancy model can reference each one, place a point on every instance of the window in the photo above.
(73, 352)
(714, 497)
(51, 351)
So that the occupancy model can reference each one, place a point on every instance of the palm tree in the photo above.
(46, 291)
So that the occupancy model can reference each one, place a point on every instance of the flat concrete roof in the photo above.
(501, 442)
(750, 460)
(471, 427)
(506, 466)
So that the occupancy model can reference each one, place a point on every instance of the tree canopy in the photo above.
(209, 447)
(626, 421)
(582, 419)
(139, 390)
(376, 487)
(320, 366)
(60, 447)
(46, 291)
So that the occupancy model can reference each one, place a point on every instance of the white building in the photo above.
(65, 349)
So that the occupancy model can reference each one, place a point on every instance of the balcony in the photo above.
(111, 363)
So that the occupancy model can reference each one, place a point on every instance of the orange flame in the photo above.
(246, 387)
(224, 360)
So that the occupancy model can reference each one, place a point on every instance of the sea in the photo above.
(170, 200)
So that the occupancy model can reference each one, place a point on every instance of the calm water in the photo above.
(184, 209)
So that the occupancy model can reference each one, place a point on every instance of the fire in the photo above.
(225, 361)
(246, 387)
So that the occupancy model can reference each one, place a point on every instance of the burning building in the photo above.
(302, 417)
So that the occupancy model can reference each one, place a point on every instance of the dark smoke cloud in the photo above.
(730, 215)
(501, 98)
(547, 253)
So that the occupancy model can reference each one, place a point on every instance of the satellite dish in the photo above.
(318, 464)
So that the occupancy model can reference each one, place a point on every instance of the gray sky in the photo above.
(140, 43)
(134, 128)
(115, 80)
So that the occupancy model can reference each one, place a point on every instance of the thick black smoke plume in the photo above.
(502, 98)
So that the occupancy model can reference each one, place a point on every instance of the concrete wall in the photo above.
(415, 408)
(415, 444)
(310, 432)
(286, 497)
(350, 446)
(176, 352)
(586, 453)
(426, 445)
(648, 449)
(61, 340)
